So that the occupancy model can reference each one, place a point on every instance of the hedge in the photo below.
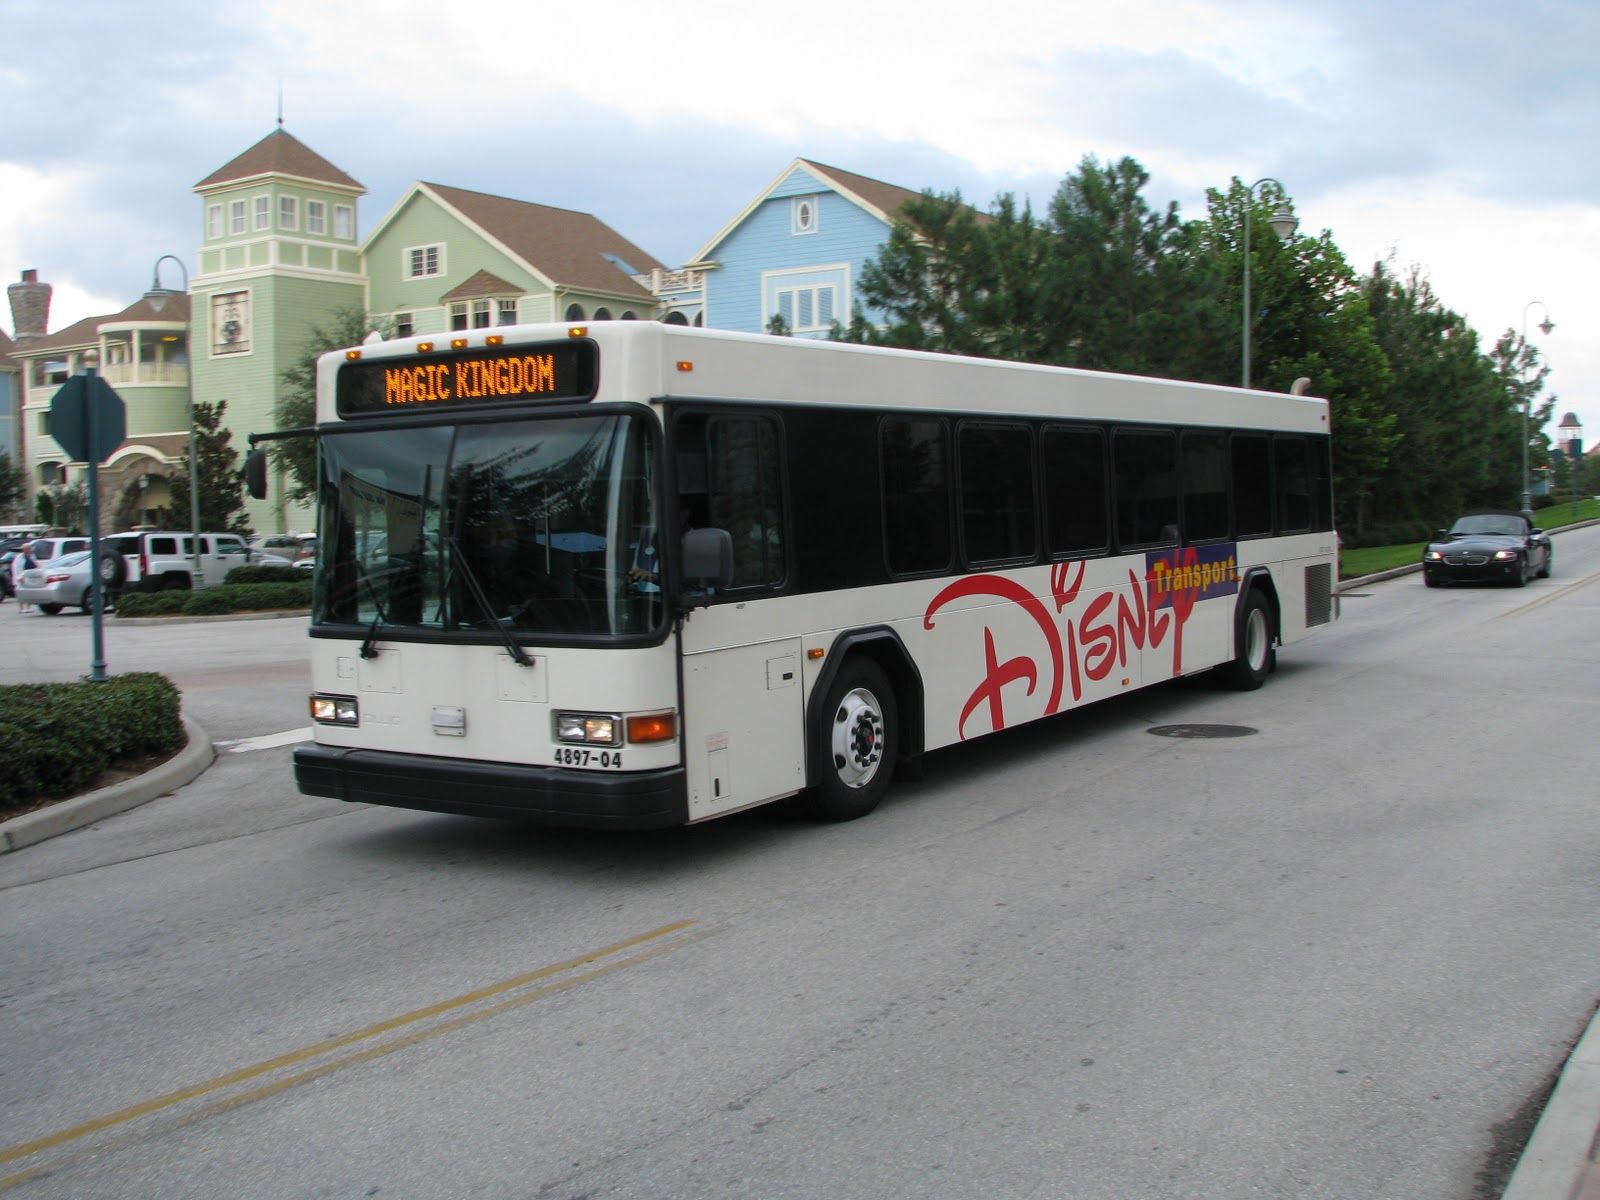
(229, 598)
(61, 736)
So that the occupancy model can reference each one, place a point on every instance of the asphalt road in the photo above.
(1326, 959)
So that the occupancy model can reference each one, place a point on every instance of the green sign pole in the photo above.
(97, 661)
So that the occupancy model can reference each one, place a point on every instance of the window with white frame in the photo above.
(803, 214)
(808, 308)
(288, 212)
(507, 313)
(344, 221)
(263, 212)
(236, 216)
(316, 216)
(423, 261)
(403, 324)
(807, 300)
(214, 221)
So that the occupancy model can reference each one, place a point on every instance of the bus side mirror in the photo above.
(255, 473)
(708, 558)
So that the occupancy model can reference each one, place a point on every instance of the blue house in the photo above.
(796, 251)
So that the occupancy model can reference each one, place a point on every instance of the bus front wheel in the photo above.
(857, 733)
(1254, 656)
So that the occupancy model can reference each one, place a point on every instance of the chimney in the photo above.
(30, 306)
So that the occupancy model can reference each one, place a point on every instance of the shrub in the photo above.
(61, 736)
(229, 598)
(267, 575)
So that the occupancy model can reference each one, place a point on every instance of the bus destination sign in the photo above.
(504, 374)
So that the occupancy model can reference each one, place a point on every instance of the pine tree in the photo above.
(221, 482)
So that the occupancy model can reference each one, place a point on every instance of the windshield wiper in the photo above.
(369, 646)
(518, 654)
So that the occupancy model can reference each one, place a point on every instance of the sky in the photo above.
(1453, 138)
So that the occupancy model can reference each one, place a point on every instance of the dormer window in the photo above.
(803, 215)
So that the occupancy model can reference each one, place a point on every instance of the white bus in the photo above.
(632, 575)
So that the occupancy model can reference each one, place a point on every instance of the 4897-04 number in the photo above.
(571, 756)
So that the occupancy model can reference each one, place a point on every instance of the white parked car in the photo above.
(60, 583)
(164, 561)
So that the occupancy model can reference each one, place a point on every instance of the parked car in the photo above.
(60, 583)
(164, 561)
(44, 549)
(1488, 547)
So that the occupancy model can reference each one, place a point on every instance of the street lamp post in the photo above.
(158, 295)
(1547, 325)
(1283, 223)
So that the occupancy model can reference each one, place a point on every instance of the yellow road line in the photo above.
(297, 1057)
(1548, 597)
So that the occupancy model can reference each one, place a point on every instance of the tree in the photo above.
(297, 406)
(221, 483)
(1458, 436)
(12, 485)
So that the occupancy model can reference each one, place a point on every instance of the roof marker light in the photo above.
(494, 339)
(352, 355)
(424, 347)
(458, 343)
(578, 331)
(685, 365)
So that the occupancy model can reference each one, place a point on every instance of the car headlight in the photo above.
(335, 710)
(1433, 556)
(594, 728)
(1503, 555)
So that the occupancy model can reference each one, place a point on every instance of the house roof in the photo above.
(569, 249)
(7, 363)
(884, 198)
(280, 153)
(880, 199)
(484, 283)
(173, 311)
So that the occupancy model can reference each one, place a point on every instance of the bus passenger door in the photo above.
(743, 714)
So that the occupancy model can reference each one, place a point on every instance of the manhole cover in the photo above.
(1202, 731)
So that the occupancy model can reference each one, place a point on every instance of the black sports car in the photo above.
(1488, 547)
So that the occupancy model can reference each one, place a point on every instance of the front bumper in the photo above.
(509, 791)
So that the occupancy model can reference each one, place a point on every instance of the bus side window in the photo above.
(916, 493)
(746, 496)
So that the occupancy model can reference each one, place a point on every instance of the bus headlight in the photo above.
(599, 729)
(335, 710)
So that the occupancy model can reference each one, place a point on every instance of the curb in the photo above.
(1558, 1161)
(183, 767)
(275, 615)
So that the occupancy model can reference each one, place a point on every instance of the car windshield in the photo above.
(529, 526)
(1495, 524)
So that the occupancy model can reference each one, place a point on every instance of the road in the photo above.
(1324, 960)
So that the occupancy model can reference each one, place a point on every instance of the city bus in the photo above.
(635, 575)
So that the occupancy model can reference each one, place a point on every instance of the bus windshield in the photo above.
(529, 527)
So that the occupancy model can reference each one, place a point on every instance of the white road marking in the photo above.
(267, 741)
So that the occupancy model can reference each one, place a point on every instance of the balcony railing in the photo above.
(170, 374)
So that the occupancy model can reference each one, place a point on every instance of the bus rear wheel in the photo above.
(857, 735)
(1254, 655)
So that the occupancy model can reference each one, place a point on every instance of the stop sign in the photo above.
(88, 418)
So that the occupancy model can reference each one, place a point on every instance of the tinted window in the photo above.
(1205, 486)
(998, 521)
(916, 493)
(1074, 462)
(1252, 486)
(1292, 463)
(745, 497)
(1145, 476)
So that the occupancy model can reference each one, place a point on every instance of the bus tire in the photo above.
(1254, 655)
(857, 735)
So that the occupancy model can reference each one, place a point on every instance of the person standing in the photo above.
(21, 561)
